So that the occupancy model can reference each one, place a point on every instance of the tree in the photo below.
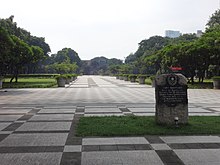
(212, 41)
(214, 20)
(21, 55)
(5, 50)
(62, 68)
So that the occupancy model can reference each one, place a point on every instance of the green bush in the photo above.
(133, 76)
(216, 78)
(64, 76)
(152, 77)
(34, 75)
(142, 76)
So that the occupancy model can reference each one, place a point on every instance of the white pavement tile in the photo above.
(6, 132)
(144, 114)
(102, 115)
(35, 139)
(61, 110)
(101, 158)
(73, 148)
(121, 157)
(140, 157)
(98, 141)
(114, 141)
(204, 114)
(131, 140)
(79, 86)
(4, 125)
(198, 110)
(45, 126)
(142, 109)
(108, 86)
(52, 117)
(31, 158)
(216, 109)
(18, 108)
(191, 139)
(60, 107)
(9, 117)
(199, 156)
(112, 110)
(14, 111)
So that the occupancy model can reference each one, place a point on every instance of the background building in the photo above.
(199, 33)
(172, 33)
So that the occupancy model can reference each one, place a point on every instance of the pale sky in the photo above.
(110, 28)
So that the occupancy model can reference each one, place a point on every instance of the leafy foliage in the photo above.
(102, 66)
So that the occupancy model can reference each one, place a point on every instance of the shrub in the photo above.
(34, 75)
(64, 76)
(142, 76)
(216, 78)
(133, 76)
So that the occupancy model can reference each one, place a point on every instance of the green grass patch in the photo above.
(136, 125)
(30, 83)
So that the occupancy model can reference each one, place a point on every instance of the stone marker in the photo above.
(171, 99)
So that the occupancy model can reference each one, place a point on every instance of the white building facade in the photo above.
(172, 33)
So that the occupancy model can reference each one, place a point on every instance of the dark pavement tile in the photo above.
(3, 136)
(108, 148)
(71, 158)
(193, 145)
(154, 139)
(74, 141)
(31, 149)
(122, 147)
(210, 145)
(25, 117)
(34, 111)
(87, 148)
(169, 157)
(12, 127)
(142, 147)
(177, 146)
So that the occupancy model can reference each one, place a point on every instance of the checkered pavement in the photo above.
(37, 126)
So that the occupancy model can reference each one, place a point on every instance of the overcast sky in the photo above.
(110, 28)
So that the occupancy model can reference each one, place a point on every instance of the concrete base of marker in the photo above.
(166, 115)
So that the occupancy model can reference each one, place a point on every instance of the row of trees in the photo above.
(19, 50)
(100, 65)
(65, 61)
(195, 55)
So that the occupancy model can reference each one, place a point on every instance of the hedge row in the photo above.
(34, 75)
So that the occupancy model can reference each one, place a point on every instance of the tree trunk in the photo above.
(12, 79)
(192, 80)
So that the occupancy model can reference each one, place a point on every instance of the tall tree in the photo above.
(22, 54)
(5, 50)
(214, 19)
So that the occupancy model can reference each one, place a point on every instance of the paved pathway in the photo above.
(37, 126)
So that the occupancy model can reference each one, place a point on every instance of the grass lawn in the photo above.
(136, 125)
(30, 83)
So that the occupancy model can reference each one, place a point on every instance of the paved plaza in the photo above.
(37, 126)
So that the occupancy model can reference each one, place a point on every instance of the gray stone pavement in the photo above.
(37, 126)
